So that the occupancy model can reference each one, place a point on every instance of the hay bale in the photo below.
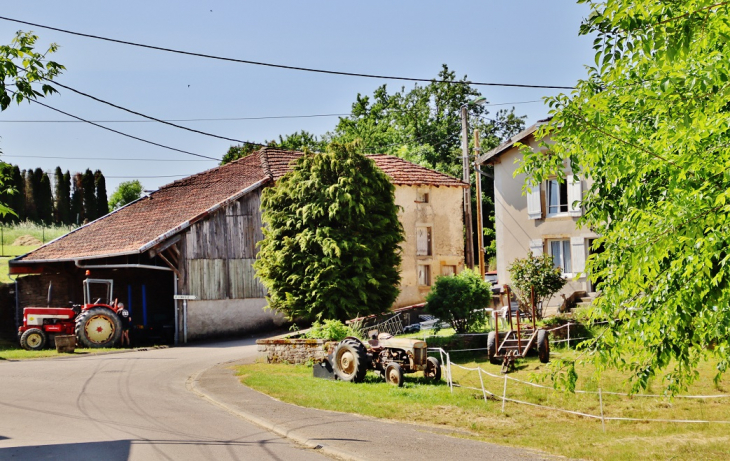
(27, 240)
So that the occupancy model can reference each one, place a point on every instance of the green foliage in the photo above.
(89, 196)
(331, 330)
(649, 128)
(127, 192)
(538, 272)
(237, 152)
(332, 235)
(460, 300)
(102, 204)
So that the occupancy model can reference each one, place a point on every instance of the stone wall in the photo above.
(298, 351)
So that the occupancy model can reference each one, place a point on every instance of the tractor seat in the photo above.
(385, 336)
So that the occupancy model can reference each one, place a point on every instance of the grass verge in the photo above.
(11, 351)
(523, 426)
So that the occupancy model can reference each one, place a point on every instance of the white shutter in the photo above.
(578, 254)
(534, 206)
(423, 241)
(536, 247)
(575, 195)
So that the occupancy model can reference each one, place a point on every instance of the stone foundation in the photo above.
(297, 351)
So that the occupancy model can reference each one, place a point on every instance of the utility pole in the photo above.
(480, 224)
(466, 176)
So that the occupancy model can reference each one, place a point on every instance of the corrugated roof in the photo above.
(135, 227)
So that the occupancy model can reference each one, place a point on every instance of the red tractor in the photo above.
(95, 324)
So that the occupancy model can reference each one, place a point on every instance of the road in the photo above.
(132, 405)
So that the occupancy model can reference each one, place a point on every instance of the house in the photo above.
(542, 221)
(197, 236)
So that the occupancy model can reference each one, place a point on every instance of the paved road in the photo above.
(132, 405)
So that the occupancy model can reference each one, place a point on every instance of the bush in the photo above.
(538, 272)
(460, 300)
(331, 330)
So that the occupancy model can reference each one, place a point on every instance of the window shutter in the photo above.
(423, 241)
(578, 254)
(534, 206)
(536, 247)
(575, 194)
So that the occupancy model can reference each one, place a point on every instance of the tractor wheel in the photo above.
(98, 327)
(433, 369)
(33, 339)
(543, 346)
(394, 374)
(492, 348)
(350, 361)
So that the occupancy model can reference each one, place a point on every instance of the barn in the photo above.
(197, 236)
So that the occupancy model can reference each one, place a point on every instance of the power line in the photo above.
(121, 133)
(51, 173)
(111, 159)
(282, 66)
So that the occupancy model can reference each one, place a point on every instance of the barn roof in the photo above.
(144, 223)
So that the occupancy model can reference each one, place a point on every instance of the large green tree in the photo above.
(127, 192)
(332, 235)
(650, 127)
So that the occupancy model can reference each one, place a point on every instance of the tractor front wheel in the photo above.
(98, 327)
(33, 339)
(394, 374)
(433, 369)
(492, 348)
(350, 361)
(543, 346)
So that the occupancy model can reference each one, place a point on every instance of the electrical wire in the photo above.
(111, 159)
(283, 66)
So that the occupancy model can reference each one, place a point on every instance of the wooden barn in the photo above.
(197, 236)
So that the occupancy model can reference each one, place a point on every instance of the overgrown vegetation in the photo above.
(538, 273)
(460, 300)
(331, 241)
(332, 330)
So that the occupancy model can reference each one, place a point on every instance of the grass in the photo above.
(12, 351)
(466, 412)
(11, 232)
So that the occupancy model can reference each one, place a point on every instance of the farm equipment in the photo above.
(521, 340)
(390, 357)
(95, 324)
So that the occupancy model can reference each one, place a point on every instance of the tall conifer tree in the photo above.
(102, 202)
(89, 195)
(77, 200)
(44, 200)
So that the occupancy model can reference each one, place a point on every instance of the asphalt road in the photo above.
(132, 405)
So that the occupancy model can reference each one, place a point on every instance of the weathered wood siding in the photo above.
(219, 252)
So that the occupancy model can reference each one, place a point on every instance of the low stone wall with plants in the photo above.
(292, 350)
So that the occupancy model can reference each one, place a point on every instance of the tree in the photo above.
(127, 192)
(67, 215)
(63, 197)
(331, 240)
(89, 195)
(77, 199)
(32, 184)
(460, 300)
(649, 128)
(102, 204)
(237, 152)
(44, 200)
(538, 273)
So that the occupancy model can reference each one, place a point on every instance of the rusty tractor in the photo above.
(95, 324)
(390, 357)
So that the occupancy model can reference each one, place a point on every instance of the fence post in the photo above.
(481, 380)
(600, 399)
(568, 335)
(504, 393)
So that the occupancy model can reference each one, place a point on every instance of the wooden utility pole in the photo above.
(480, 224)
(469, 256)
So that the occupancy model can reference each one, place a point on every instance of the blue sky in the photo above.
(520, 41)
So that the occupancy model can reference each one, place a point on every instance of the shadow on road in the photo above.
(117, 450)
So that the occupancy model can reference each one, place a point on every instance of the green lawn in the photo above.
(12, 351)
(522, 425)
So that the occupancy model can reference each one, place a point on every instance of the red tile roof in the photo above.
(138, 226)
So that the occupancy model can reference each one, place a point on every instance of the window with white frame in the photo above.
(557, 197)
(560, 251)
(423, 241)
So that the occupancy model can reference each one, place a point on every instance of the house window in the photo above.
(421, 196)
(423, 241)
(424, 275)
(557, 197)
(448, 270)
(560, 251)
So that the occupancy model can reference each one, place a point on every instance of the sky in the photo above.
(518, 41)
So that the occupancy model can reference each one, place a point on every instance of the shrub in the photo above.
(538, 272)
(331, 330)
(460, 300)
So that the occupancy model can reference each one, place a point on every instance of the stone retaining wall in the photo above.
(292, 350)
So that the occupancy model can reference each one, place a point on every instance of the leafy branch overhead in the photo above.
(331, 240)
(650, 128)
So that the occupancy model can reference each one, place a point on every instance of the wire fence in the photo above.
(449, 366)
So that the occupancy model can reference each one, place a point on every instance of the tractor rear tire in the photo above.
(394, 374)
(543, 346)
(492, 348)
(33, 339)
(350, 361)
(98, 327)
(433, 369)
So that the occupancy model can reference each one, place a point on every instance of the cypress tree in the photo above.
(89, 195)
(58, 196)
(19, 196)
(45, 200)
(66, 215)
(31, 210)
(77, 200)
(102, 203)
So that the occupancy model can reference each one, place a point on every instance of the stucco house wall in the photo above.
(440, 210)
(517, 233)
